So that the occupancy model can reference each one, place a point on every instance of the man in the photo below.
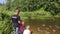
(16, 21)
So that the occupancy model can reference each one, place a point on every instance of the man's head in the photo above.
(17, 11)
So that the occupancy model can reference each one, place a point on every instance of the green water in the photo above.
(48, 25)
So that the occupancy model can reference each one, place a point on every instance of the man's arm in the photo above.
(18, 19)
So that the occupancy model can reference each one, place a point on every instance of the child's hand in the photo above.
(23, 23)
(19, 22)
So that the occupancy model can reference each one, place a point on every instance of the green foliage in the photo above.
(5, 23)
(53, 6)
(35, 14)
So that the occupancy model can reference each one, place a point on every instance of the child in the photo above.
(27, 30)
(21, 25)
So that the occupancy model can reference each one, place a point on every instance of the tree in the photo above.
(9, 4)
(53, 6)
